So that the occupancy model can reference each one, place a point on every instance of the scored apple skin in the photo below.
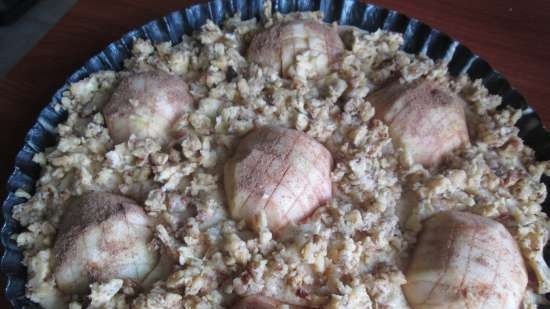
(102, 236)
(463, 260)
(280, 171)
(278, 46)
(424, 119)
(261, 302)
(146, 105)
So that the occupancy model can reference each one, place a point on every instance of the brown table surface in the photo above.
(514, 37)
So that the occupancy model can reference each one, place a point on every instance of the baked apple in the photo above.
(279, 45)
(425, 120)
(102, 236)
(146, 105)
(280, 171)
(463, 260)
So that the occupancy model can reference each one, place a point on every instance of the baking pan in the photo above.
(419, 38)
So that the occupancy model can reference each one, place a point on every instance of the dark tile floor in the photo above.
(18, 38)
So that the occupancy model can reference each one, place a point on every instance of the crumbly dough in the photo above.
(351, 252)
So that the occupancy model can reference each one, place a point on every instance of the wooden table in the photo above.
(514, 37)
